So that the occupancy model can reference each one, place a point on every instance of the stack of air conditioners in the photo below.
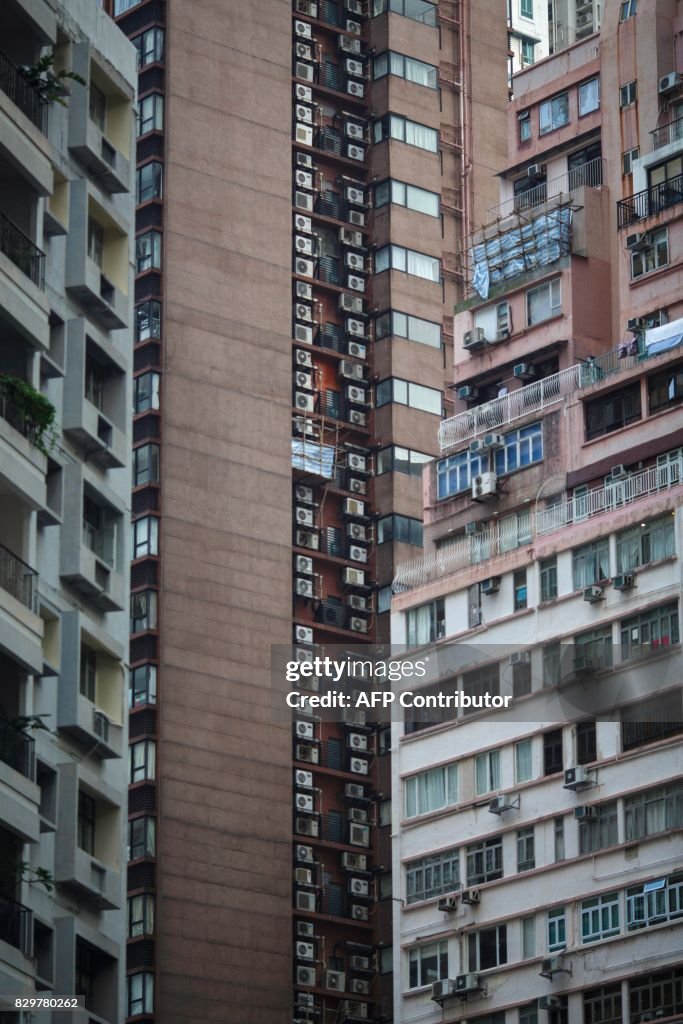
(307, 751)
(358, 753)
(306, 1008)
(304, 68)
(358, 883)
(352, 307)
(359, 537)
(306, 533)
(361, 969)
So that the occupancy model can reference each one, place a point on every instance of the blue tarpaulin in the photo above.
(661, 339)
(313, 458)
(538, 243)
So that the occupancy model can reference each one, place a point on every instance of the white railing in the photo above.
(501, 537)
(590, 175)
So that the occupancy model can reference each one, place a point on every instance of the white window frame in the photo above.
(417, 798)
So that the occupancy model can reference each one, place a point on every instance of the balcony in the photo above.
(23, 253)
(17, 750)
(589, 175)
(23, 93)
(18, 578)
(21, 630)
(667, 134)
(16, 925)
(649, 202)
(104, 161)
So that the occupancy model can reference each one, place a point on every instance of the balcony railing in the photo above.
(16, 925)
(651, 200)
(18, 578)
(667, 133)
(590, 175)
(19, 248)
(18, 418)
(23, 93)
(17, 749)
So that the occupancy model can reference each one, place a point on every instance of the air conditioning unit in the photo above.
(354, 327)
(353, 577)
(525, 371)
(305, 999)
(357, 625)
(468, 393)
(303, 267)
(520, 658)
(359, 767)
(619, 473)
(357, 741)
(466, 983)
(302, 29)
(303, 289)
(335, 981)
(354, 261)
(307, 540)
(303, 179)
(304, 312)
(535, 171)
(352, 130)
(669, 82)
(447, 904)
(347, 45)
(304, 565)
(303, 201)
(585, 813)
(304, 51)
(355, 7)
(303, 93)
(303, 876)
(490, 585)
(354, 861)
(358, 554)
(359, 912)
(303, 134)
(303, 634)
(350, 304)
(499, 804)
(474, 339)
(305, 753)
(357, 284)
(593, 594)
(354, 195)
(303, 334)
(549, 1003)
(353, 508)
(306, 900)
(349, 237)
(354, 67)
(303, 380)
(354, 790)
(303, 245)
(358, 396)
(302, 654)
(357, 462)
(307, 827)
(355, 152)
(470, 896)
(309, 7)
(355, 89)
(359, 987)
(356, 532)
(578, 777)
(302, 426)
(304, 854)
(305, 976)
(638, 241)
(303, 779)
(357, 486)
(552, 965)
(356, 217)
(484, 486)
(357, 814)
(303, 493)
(358, 887)
(359, 963)
(302, 70)
(303, 588)
(624, 581)
(352, 27)
(444, 989)
(356, 349)
(304, 730)
(357, 418)
(471, 528)
(494, 441)
(354, 371)
(305, 951)
(303, 516)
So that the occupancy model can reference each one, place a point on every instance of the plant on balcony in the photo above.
(35, 876)
(36, 410)
(25, 723)
(49, 83)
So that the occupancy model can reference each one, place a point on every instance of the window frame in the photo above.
(444, 865)
(655, 257)
(419, 975)
(554, 290)
(583, 85)
(556, 929)
(554, 124)
(416, 801)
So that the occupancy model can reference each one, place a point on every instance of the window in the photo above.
(628, 94)
(148, 251)
(558, 839)
(543, 302)
(628, 9)
(552, 752)
(548, 572)
(523, 762)
(600, 831)
(602, 1005)
(427, 964)
(150, 113)
(528, 1014)
(143, 611)
(519, 589)
(653, 902)
(85, 829)
(401, 460)
(665, 389)
(654, 257)
(121, 6)
(97, 106)
(384, 595)
(95, 381)
(589, 96)
(146, 465)
(650, 632)
(410, 196)
(140, 915)
(485, 861)
(590, 563)
(600, 917)
(141, 837)
(524, 119)
(586, 743)
(487, 772)
(400, 529)
(141, 761)
(481, 681)
(431, 790)
(146, 392)
(653, 994)
(149, 179)
(426, 623)
(99, 531)
(523, 447)
(663, 175)
(554, 113)
(416, 264)
(526, 855)
(88, 678)
(142, 685)
(150, 46)
(140, 993)
(651, 720)
(646, 543)
(95, 241)
(593, 649)
(147, 321)
(526, 8)
(514, 530)
(528, 937)
(145, 537)
(402, 325)
(456, 473)
(403, 130)
(521, 678)
(613, 411)
(552, 664)
(627, 160)
(432, 876)
(527, 51)
(487, 948)
(405, 67)
(416, 10)
(557, 929)
(405, 392)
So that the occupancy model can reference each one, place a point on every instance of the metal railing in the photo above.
(18, 578)
(19, 248)
(588, 175)
(23, 93)
(17, 750)
(650, 201)
(16, 925)
(667, 133)
(18, 418)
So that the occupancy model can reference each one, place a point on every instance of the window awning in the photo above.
(661, 339)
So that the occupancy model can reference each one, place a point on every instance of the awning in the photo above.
(661, 339)
(313, 458)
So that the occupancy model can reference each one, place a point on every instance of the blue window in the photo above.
(522, 448)
(526, 8)
(455, 474)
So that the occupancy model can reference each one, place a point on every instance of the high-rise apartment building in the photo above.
(67, 91)
(306, 176)
(537, 858)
